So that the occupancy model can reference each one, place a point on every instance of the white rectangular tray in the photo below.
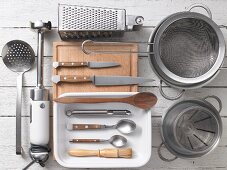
(139, 141)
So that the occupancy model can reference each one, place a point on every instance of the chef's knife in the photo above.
(90, 64)
(101, 80)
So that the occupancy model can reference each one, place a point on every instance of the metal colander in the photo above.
(189, 47)
(191, 128)
(196, 129)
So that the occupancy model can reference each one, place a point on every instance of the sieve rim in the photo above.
(161, 69)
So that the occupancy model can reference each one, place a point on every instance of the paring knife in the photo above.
(98, 112)
(91, 64)
(101, 80)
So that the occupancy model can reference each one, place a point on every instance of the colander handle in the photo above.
(162, 157)
(86, 51)
(201, 6)
(217, 99)
(169, 97)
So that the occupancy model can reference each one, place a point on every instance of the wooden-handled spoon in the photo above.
(107, 153)
(143, 100)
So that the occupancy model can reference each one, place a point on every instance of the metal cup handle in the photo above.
(217, 99)
(86, 51)
(201, 6)
(162, 157)
(169, 97)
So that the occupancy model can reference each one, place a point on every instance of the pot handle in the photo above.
(169, 97)
(201, 6)
(162, 157)
(217, 99)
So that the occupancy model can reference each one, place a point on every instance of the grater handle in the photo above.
(217, 99)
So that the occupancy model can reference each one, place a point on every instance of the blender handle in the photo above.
(217, 99)
(162, 157)
(169, 97)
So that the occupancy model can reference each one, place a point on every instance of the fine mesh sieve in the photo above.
(189, 47)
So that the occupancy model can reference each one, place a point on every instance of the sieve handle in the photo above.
(217, 99)
(86, 51)
(162, 157)
(201, 6)
(169, 97)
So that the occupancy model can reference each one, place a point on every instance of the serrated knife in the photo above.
(90, 64)
(101, 80)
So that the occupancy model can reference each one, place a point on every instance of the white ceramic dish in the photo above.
(139, 141)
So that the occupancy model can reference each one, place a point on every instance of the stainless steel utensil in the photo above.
(116, 140)
(90, 64)
(191, 128)
(19, 57)
(75, 22)
(124, 126)
(186, 50)
(98, 113)
(101, 80)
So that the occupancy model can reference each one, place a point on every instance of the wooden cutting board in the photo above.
(71, 52)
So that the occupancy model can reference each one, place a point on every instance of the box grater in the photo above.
(80, 22)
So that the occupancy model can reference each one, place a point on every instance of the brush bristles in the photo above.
(125, 153)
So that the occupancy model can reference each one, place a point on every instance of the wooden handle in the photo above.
(85, 140)
(75, 79)
(107, 153)
(73, 64)
(83, 152)
(86, 126)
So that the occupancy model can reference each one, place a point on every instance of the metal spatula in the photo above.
(19, 57)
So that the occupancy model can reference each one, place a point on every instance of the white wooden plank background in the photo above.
(15, 17)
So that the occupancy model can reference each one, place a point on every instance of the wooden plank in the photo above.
(7, 149)
(153, 11)
(30, 37)
(8, 106)
(8, 78)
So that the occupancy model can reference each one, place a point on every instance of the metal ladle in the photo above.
(116, 140)
(19, 57)
(124, 126)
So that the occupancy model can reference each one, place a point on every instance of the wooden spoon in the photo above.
(143, 100)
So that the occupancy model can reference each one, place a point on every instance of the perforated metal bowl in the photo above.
(192, 128)
(188, 49)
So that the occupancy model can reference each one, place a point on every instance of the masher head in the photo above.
(18, 56)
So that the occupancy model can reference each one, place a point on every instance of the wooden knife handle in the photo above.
(75, 79)
(85, 140)
(86, 126)
(107, 153)
(73, 64)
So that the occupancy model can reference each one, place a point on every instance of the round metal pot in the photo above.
(191, 128)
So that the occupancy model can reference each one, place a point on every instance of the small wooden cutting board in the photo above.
(71, 52)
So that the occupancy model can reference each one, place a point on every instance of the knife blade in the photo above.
(90, 64)
(101, 80)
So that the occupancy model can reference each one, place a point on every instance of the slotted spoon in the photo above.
(19, 57)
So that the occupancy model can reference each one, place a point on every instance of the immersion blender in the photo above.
(40, 105)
